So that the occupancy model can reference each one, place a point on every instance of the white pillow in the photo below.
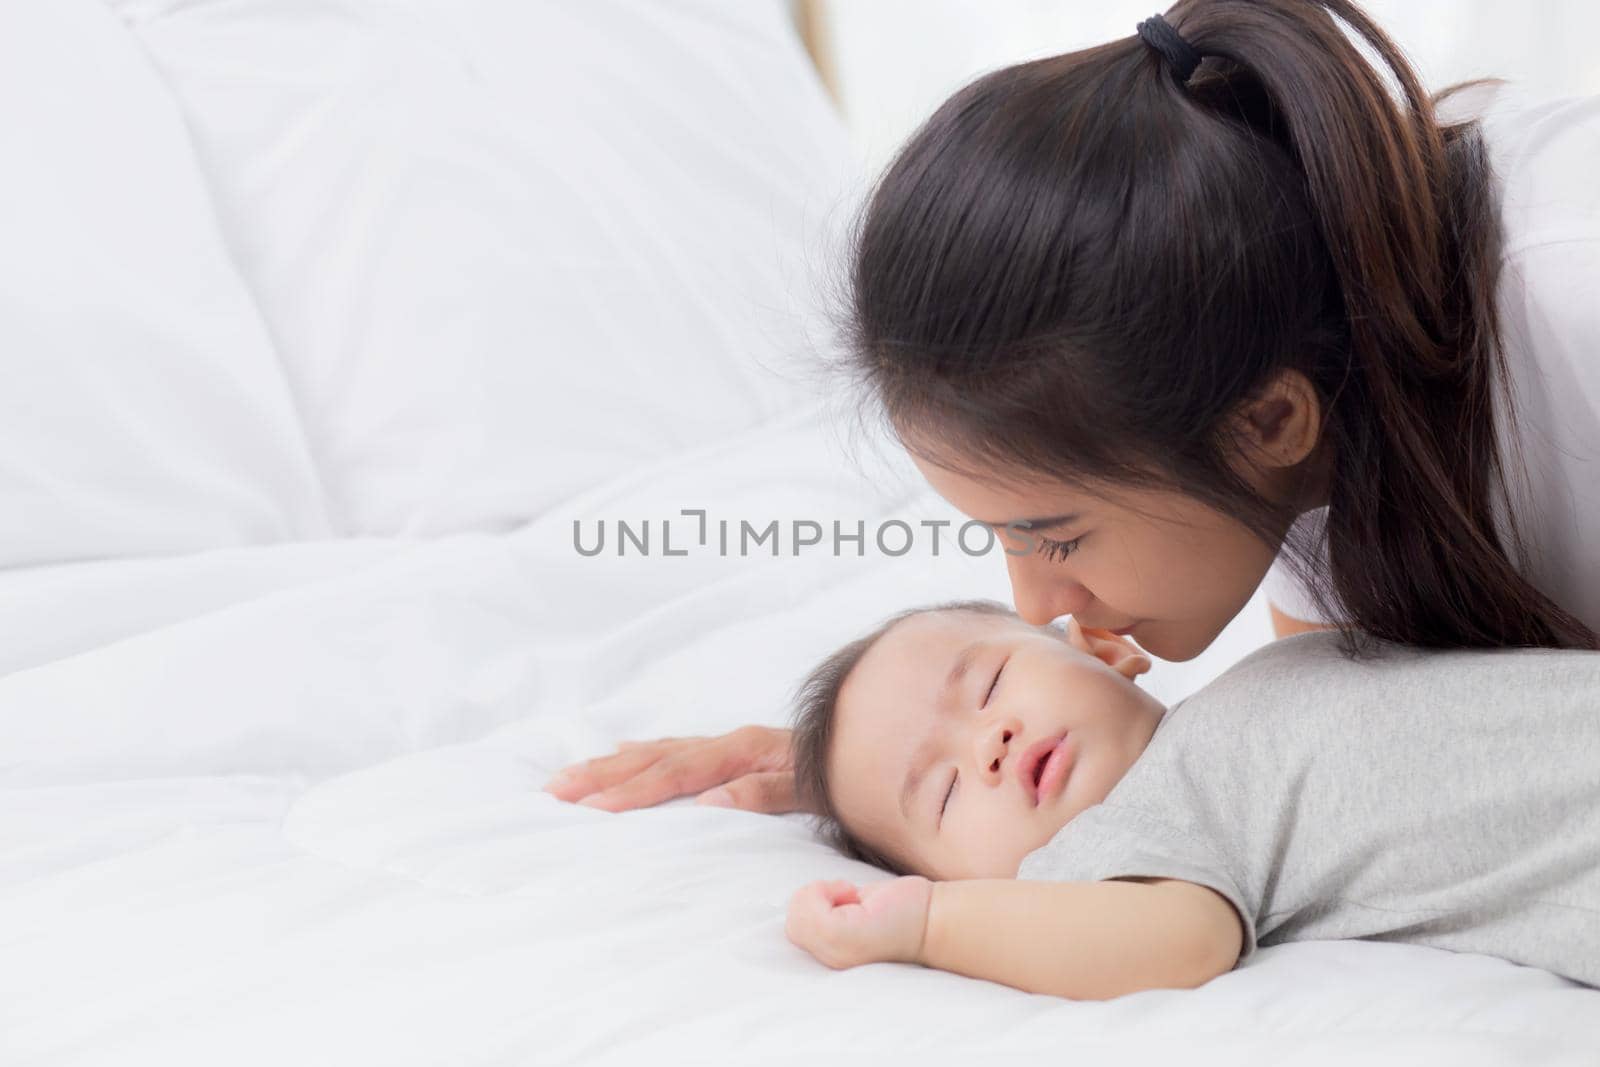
(510, 250)
(142, 410)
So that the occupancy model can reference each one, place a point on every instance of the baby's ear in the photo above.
(1118, 653)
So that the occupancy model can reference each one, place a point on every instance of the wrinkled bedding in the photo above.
(305, 826)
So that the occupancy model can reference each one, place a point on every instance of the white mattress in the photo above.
(322, 321)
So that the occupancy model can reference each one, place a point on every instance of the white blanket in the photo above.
(305, 826)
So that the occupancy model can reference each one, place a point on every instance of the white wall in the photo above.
(895, 60)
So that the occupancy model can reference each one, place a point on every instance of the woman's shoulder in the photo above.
(1545, 153)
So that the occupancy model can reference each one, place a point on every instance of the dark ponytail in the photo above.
(1080, 266)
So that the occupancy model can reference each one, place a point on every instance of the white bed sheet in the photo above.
(301, 822)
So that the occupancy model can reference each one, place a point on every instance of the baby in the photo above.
(1056, 829)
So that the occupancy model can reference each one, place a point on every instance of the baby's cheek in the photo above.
(888, 841)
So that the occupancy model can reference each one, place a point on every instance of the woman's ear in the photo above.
(1279, 426)
(1118, 653)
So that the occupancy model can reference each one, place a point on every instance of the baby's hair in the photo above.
(816, 707)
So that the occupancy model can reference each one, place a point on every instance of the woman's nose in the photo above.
(1042, 592)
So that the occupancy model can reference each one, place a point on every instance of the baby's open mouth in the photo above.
(1030, 768)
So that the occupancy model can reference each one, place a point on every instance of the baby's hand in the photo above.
(845, 925)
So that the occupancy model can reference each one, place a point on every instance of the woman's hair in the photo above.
(1080, 268)
(816, 706)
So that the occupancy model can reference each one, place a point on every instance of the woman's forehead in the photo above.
(1001, 499)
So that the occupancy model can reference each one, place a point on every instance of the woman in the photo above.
(1213, 300)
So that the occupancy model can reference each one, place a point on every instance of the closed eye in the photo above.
(998, 671)
(1055, 551)
(954, 777)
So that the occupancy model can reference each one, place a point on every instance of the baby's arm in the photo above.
(1083, 940)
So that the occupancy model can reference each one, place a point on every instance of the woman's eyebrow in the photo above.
(1047, 523)
(926, 749)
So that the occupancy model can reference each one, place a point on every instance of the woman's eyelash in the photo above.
(1058, 550)
(947, 793)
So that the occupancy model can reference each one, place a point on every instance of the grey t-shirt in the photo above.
(1449, 799)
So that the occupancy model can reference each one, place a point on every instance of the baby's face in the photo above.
(980, 702)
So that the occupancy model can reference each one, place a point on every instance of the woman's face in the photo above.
(1159, 566)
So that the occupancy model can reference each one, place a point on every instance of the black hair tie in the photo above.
(1180, 55)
